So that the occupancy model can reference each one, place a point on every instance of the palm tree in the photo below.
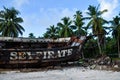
(52, 32)
(116, 31)
(46, 34)
(10, 23)
(96, 23)
(65, 29)
(78, 23)
(31, 35)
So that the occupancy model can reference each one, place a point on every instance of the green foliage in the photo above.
(31, 35)
(65, 29)
(97, 45)
(115, 24)
(10, 26)
(90, 49)
(52, 32)
(10, 23)
(111, 47)
(78, 24)
(96, 24)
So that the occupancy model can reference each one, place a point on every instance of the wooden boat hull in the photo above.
(39, 57)
(24, 52)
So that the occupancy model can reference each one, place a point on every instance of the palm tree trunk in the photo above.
(99, 47)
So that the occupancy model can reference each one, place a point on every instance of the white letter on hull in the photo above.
(50, 54)
(70, 51)
(13, 55)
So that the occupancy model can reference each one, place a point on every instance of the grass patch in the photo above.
(115, 58)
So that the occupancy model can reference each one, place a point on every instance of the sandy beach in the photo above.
(74, 73)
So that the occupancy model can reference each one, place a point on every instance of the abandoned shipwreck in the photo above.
(35, 52)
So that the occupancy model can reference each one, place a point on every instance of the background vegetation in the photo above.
(107, 40)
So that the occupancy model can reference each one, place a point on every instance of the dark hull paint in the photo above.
(30, 57)
(15, 53)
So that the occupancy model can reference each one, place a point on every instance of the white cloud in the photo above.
(110, 5)
(19, 3)
(68, 13)
(52, 16)
(56, 14)
(37, 23)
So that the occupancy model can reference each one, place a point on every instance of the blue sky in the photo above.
(40, 14)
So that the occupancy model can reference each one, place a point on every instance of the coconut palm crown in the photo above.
(10, 23)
